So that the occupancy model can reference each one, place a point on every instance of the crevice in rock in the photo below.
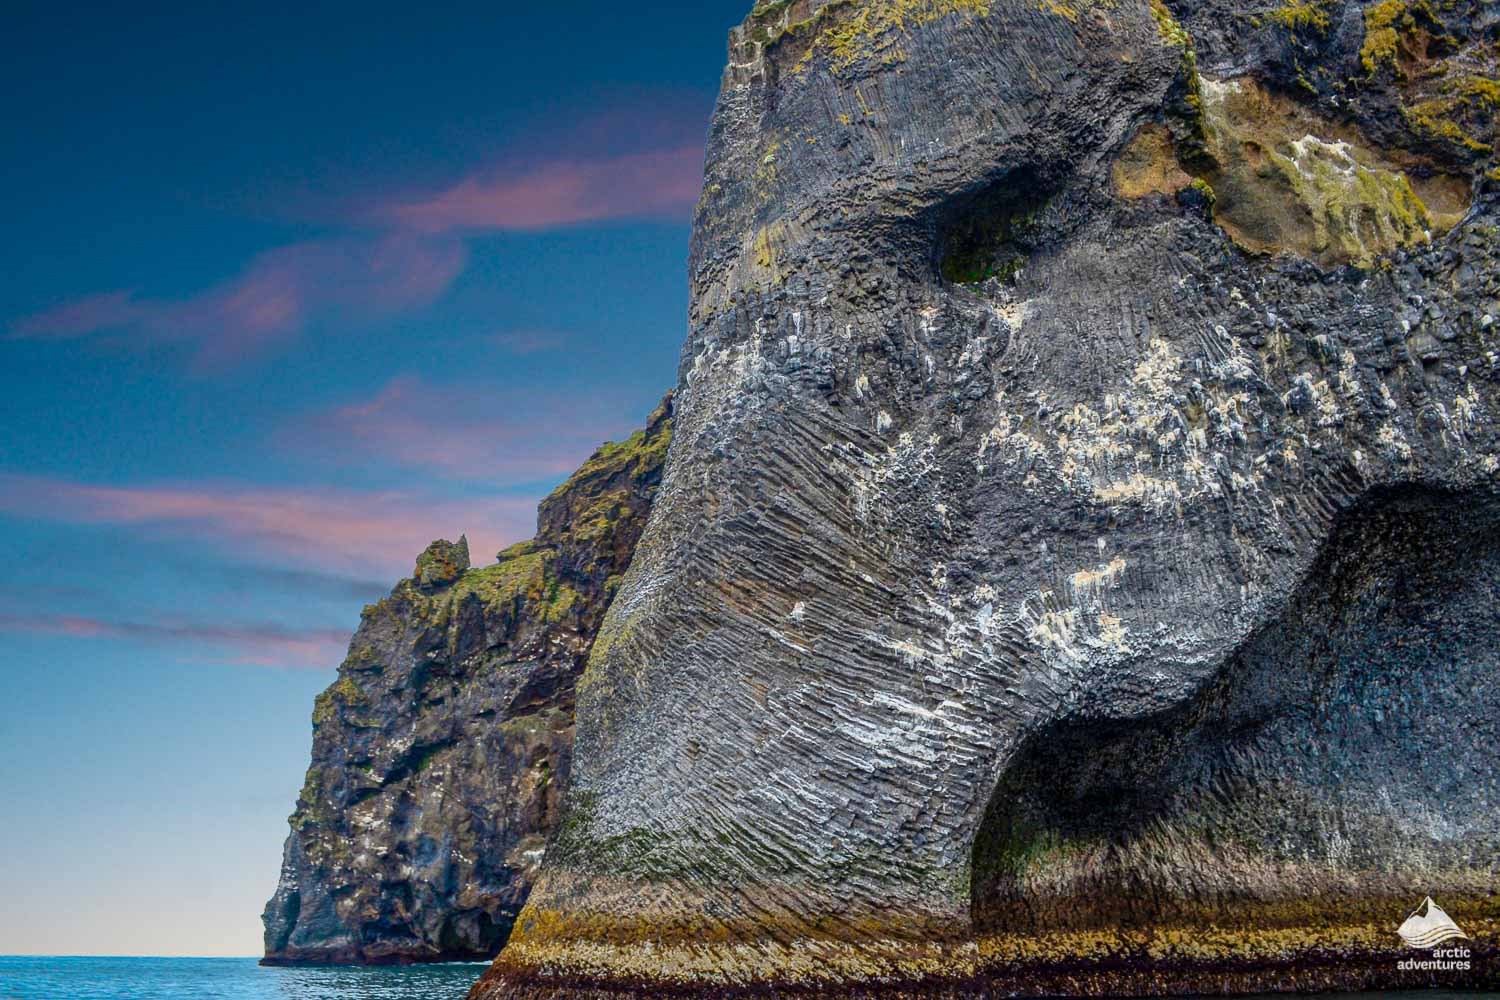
(993, 231)
(414, 760)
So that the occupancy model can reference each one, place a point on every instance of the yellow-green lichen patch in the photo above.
(1481, 89)
(767, 169)
(1354, 211)
(560, 602)
(1448, 91)
(348, 692)
(1285, 180)
(640, 448)
(847, 32)
(1302, 16)
(1381, 37)
(1436, 119)
(1059, 8)
(362, 657)
(442, 562)
(765, 253)
(1397, 35)
(1277, 178)
(1460, 111)
(596, 521)
(343, 692)
(1167, 26)
(1069, 9)
(638, 453)
(312, 805)
(1184, 110)
(519, 577)
(324, 709)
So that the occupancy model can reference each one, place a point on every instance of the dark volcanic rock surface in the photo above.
(441, 752)
(1078, 568)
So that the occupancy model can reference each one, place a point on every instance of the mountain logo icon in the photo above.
(1428, 926)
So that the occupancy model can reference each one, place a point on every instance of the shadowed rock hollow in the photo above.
(440, 753)
(1076, 567)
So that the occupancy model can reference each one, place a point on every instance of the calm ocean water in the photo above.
(223, 979)
(242, 979)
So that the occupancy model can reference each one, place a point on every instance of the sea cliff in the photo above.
(441, 751)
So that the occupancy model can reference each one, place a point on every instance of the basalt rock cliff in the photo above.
(1078, 565)
(440, 752)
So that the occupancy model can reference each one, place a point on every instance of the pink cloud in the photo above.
(80, 318)
(500, 437)
(269, 302)
(324, 529)
(530, 341)
(256, 644)
(654, 184)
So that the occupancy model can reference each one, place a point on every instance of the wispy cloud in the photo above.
(530, 340)
(465, 432)
(240, 578)
(378, 531)
(257, 643)
(652, 184)
(403, 249)
(272, 300)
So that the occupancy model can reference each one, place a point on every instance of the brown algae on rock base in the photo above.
(1232, 949)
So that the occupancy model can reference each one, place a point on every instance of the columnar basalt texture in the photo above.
(440, 753)
(1077, 566)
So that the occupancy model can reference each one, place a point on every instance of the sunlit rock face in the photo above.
(1066, 578)
(440, 754)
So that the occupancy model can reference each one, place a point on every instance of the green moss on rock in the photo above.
(847, 32)
(1383, 23)
(442, 562)
(1463, 100)
(467, 674)
(1302, 16)
(516, 577)
(1173, 33)
(344, 692)
(1277, 178)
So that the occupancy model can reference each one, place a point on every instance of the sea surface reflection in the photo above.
(223, 979)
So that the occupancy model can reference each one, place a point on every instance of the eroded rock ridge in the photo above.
(440, 753)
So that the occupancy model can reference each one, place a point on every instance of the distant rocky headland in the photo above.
(441, 752)
(1075, 568)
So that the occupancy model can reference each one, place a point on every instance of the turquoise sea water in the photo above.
(223, 979)
(242, 979)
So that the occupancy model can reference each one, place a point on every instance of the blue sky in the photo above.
(290, 291)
